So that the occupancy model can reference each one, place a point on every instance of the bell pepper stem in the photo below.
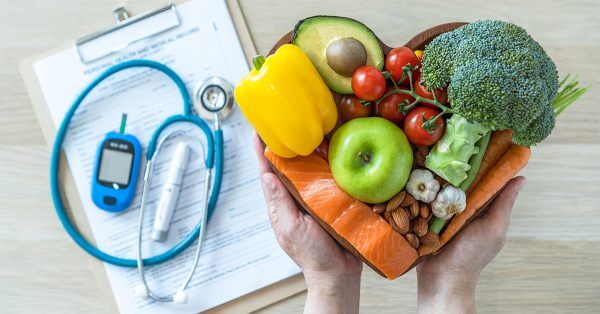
(258, 62)
(437, 224)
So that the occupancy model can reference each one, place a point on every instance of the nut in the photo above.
(440, 180)
(414, 210)
(420, 159)
(412, 239)
(430, 239)
(424, 211)
(395, 201)
(379, 208)
(425, 250)
(423, 150)
(393, 224)
(420, 226)
(401, 219)
(407, 201)
(387, 215)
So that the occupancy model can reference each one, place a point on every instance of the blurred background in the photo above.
(550, 262)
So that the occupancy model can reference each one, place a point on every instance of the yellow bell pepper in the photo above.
(287, 102)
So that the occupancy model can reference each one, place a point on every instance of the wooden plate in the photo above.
(418, 42)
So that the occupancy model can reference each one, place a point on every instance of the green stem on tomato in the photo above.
(407, 72)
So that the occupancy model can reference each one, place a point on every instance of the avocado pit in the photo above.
(345, 55)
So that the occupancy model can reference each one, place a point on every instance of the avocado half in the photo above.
(314, 34)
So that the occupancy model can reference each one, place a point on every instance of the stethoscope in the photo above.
(213, 100)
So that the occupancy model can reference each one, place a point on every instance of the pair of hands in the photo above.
(446, 282)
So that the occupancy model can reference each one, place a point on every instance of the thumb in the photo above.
(283, 213)
(498, 216)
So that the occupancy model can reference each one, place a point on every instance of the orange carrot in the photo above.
(499, 144)
(515, 158)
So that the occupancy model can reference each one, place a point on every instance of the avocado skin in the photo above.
(334, 81)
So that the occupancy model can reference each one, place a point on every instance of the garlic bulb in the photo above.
(422, 185)
(449, 201)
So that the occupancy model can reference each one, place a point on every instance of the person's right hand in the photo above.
(332, 274)
(446, 282)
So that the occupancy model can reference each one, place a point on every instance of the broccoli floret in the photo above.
(497, 75)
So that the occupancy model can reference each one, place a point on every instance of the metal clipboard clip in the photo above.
(126, 32)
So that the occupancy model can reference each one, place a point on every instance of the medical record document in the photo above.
(239, 253)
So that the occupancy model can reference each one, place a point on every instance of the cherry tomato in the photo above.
(351, 108)
(440, 94)
(368, 83)
(413, 126)
(396, 59)
(389, 107)
(323, 149)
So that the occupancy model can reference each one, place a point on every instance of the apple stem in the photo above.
(365, 157)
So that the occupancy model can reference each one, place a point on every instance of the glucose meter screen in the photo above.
(115, 166)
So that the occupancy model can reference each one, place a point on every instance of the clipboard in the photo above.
(247, 303)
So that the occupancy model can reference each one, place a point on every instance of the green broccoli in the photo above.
(497, 76)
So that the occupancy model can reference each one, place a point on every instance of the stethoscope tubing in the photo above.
(214, 159)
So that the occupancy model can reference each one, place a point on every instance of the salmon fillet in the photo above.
(351, 222)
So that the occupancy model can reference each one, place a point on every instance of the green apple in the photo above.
(370, 159)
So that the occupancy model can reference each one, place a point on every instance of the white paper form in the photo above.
(240, 254)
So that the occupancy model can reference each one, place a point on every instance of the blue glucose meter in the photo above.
(116, 170)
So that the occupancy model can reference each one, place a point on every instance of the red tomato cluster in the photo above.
(369, 86)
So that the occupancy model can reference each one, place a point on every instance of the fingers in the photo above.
(259, 148)
(283, 213)
(498, 215)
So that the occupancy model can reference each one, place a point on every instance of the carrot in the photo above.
(498, 145)
(515, 158)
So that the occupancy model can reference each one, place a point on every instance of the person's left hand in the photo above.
(332, 274)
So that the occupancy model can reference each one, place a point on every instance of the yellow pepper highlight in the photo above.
(287, 102)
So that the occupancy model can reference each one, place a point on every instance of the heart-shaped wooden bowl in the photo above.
(418, 42)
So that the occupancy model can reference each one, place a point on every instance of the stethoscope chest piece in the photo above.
(213, 98)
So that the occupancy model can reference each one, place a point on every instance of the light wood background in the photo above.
(551, 261)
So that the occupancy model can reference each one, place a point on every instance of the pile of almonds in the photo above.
(410, 218)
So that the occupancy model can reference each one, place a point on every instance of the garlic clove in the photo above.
(448, 202)
(422, 185)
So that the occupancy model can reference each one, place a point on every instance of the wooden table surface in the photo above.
(551, 261)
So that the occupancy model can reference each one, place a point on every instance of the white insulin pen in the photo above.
(170, 193)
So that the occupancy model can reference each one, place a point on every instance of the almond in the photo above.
(423, 150)
(420, 226)
(401, 219)
(425, 250)
(387, 215)
(379, 208)
(408, 200)
(420, 159)
(430, 239)
(395, 201)
(393, 225)
(414, 210)
(412, 239)
(424, 211)
(440, 180)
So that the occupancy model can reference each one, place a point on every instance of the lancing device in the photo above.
(170, 193)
